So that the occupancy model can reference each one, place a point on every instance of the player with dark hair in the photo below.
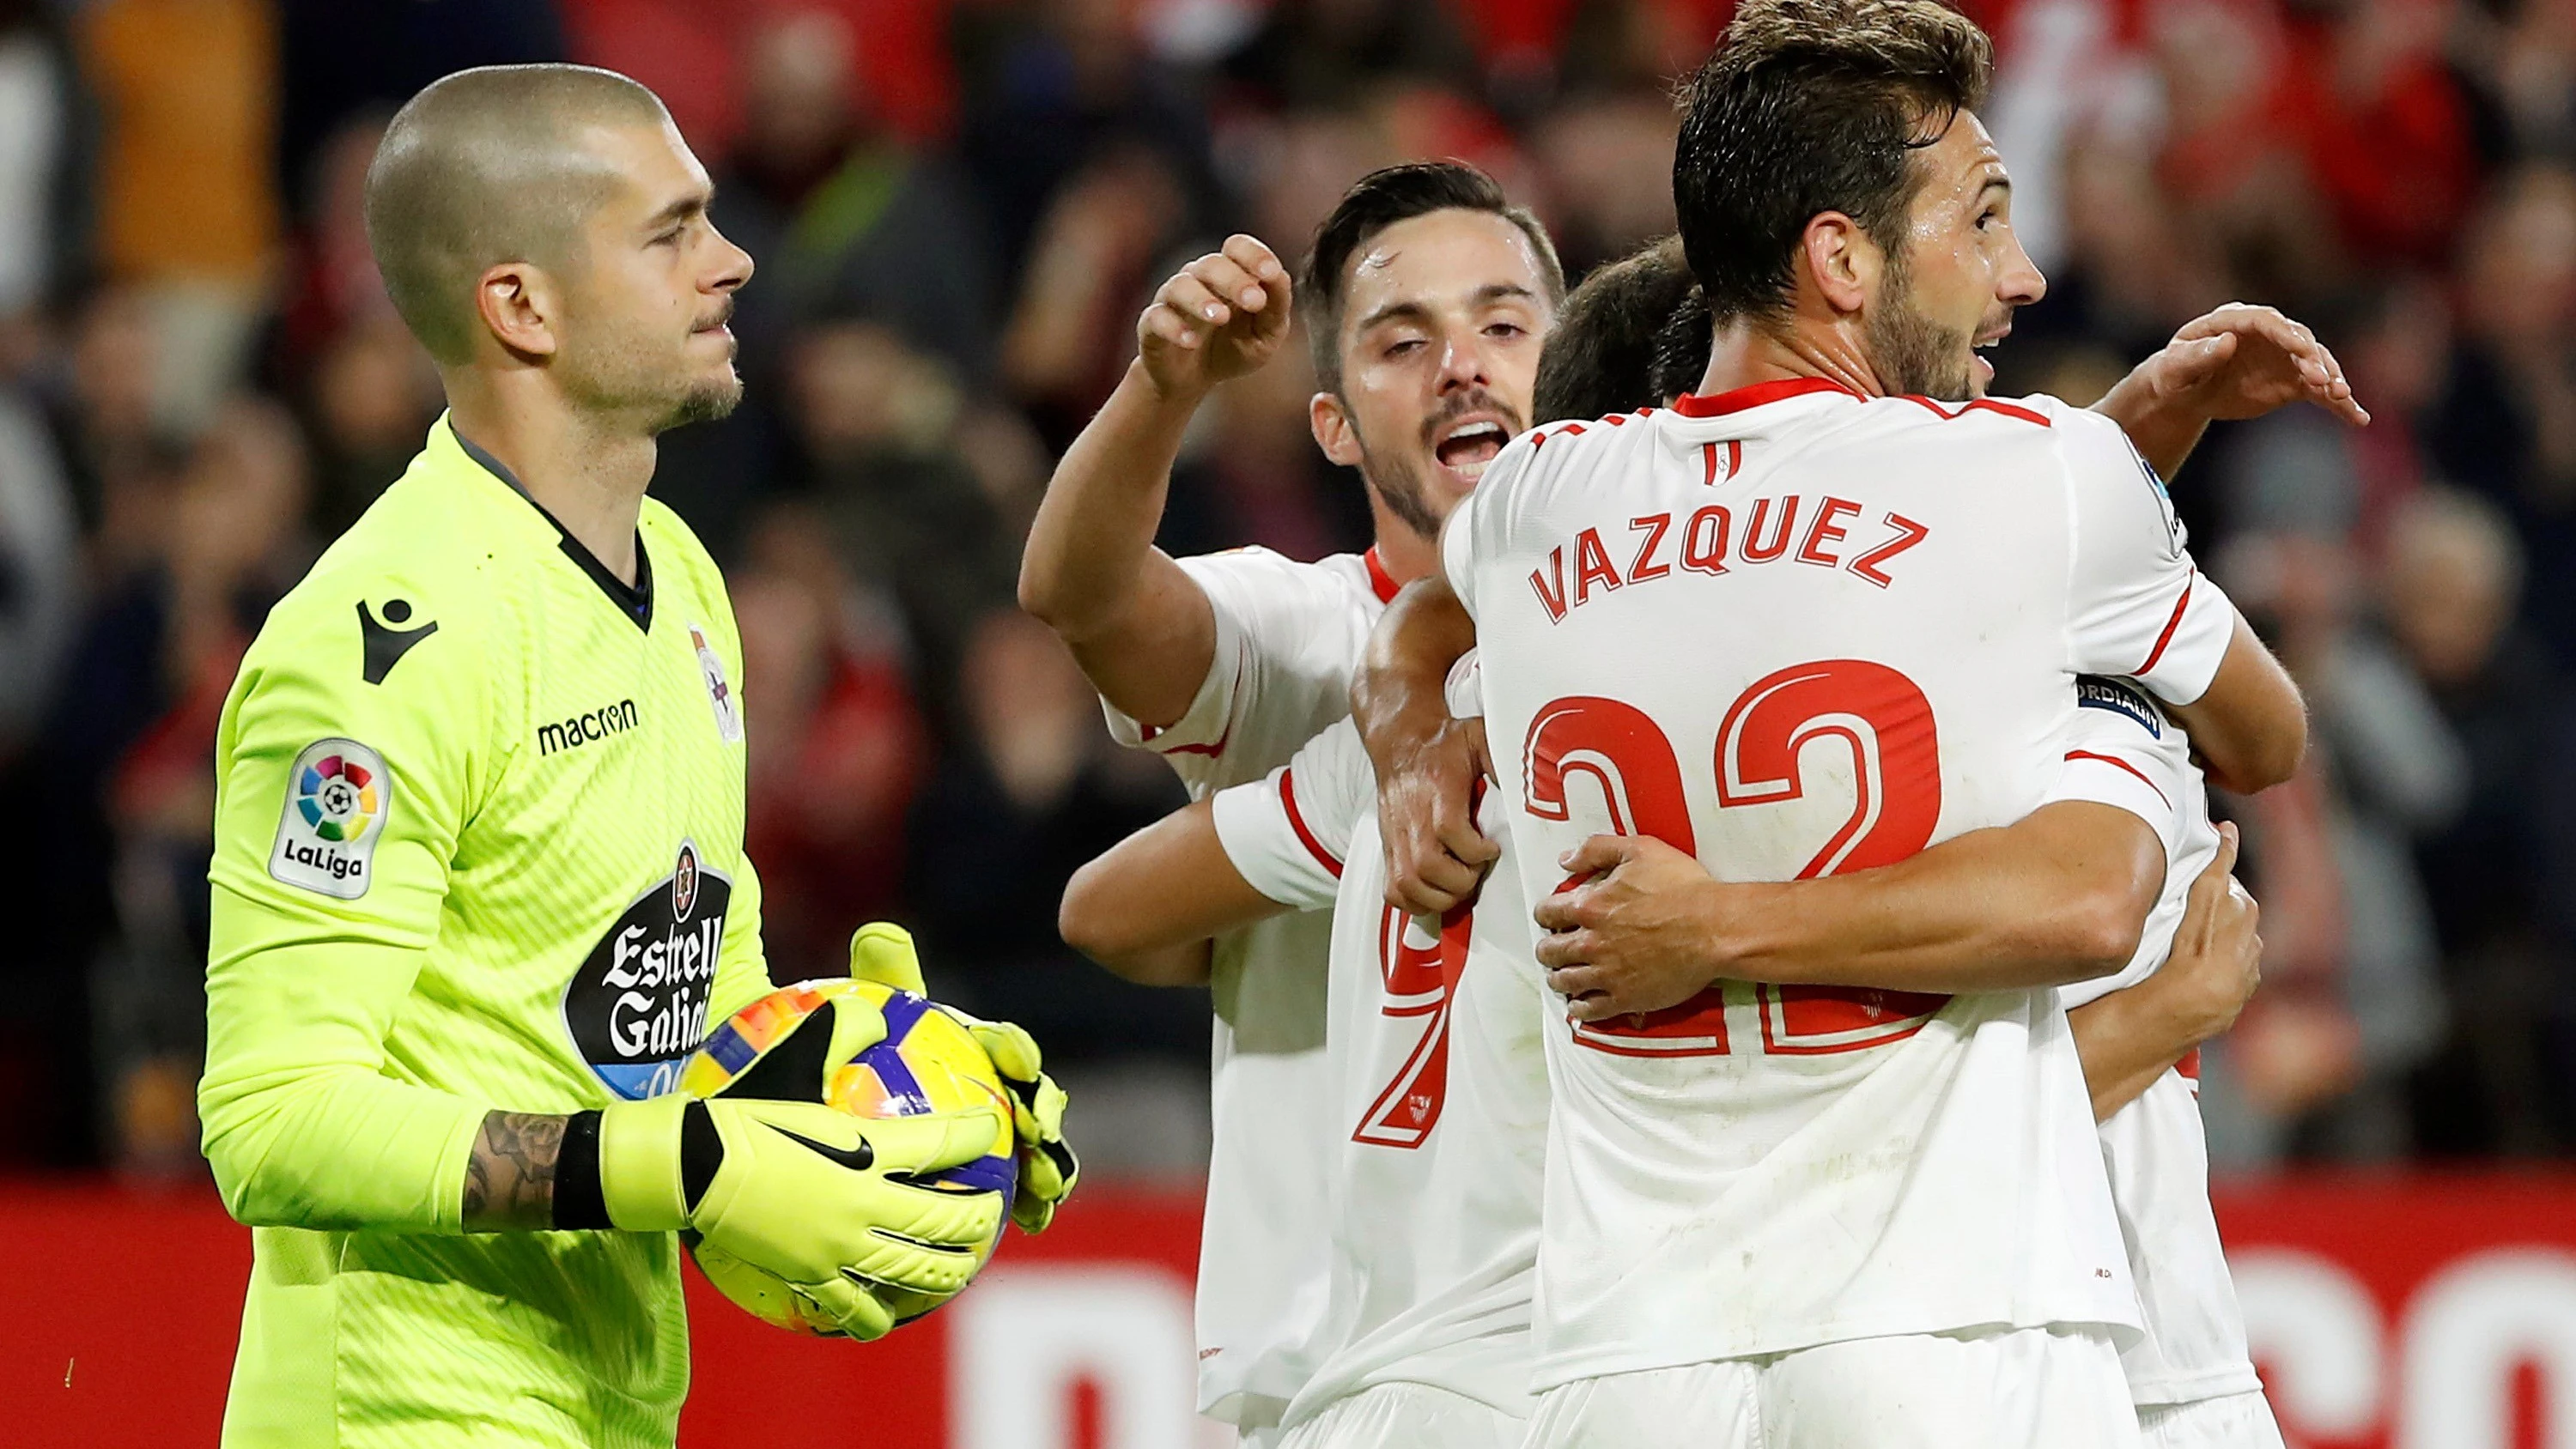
(1424, 302)
(1601, 357)
(1634, 335)
(1795, 1242)
(479, 883)
(2138, 1034)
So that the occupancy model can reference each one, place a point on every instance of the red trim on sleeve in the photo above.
(1736, 400)
(1297, 822)
(1381, 583)
(2189, 1067)
(1211, 751)
(2125, 765)
(2171, 625)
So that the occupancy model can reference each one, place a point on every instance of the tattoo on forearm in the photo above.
(510, 1179)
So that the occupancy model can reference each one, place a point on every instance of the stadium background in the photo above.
(958, 207)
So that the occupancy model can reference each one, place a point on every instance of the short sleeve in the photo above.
(1266, 608)
(2118, 749)
(1289, 833)
(2137, 604)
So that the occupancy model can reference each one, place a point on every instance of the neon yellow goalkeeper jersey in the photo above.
(478, 846)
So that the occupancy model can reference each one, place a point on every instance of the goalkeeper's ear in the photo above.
(882, 952)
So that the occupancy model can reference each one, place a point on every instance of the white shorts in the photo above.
(2230, 1421)
(2028, 1388)
(1415, 1416)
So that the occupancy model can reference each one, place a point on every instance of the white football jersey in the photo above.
(2193, 1346)
(1439, 1094)
(1288, 638)
(1796, 631)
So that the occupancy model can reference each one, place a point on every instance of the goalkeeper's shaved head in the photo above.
(490, 166)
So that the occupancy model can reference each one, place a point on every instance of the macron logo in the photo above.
(581, 729)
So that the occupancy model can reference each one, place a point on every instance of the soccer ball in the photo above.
(927, 1063)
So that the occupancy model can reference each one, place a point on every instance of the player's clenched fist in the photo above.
(1219, 317)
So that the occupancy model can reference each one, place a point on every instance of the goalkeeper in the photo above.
(479, 883)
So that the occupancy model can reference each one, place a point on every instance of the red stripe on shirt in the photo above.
(2125, 765)
(2189, 1066)
(1297, 822)
(1719, 404)
(2171, 625)
(1381, 583)
(2010, 410)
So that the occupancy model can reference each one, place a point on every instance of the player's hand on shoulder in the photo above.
(2217, 958)
(1426, 812)
(883, 952)
(1220, 317)
(1630, 931)
(2242, 361)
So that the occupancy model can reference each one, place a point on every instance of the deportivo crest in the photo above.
(684, 883)
(719, 694)
(637, 1006)
(338, 798)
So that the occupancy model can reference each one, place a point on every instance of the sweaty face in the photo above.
(1442, 316)
(1953, 287)
(644, 330)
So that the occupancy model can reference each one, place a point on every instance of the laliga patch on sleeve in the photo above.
(338, 797)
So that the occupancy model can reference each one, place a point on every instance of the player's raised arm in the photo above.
(1140, 627)
(2236, 361)
(2131, 1037)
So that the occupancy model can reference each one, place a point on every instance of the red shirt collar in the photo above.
(1381, 582)
(1736, 400)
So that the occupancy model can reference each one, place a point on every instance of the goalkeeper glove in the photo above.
(799, 1189)
(883, 952)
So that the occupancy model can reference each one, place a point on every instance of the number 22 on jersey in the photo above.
(1875, 712)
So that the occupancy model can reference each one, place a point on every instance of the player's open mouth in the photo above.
(1468, 445)
(1985, 369)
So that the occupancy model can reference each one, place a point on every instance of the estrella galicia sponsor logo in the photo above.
(2093, 691)
(338, 798)
(581, 729)
(637, 1006)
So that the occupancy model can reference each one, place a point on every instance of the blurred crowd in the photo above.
(959, 206)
